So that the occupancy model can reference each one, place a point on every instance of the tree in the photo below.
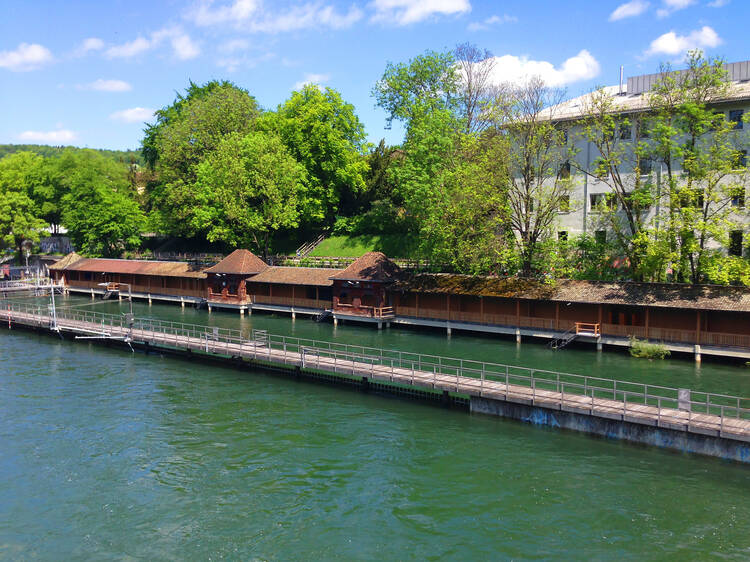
(620, 164)
(477, 94)
(698, 149)
(247, 189)
(182, 137)
(539, 167)
(427, 83)
(99, 211)
(323, 133)
(20, 218)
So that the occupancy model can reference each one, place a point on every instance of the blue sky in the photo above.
(90, 73)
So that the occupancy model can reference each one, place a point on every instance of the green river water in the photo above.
(110, 454)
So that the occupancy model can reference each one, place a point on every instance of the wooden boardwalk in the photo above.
(730, 423)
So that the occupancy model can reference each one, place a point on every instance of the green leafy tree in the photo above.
(323, 133)
(184, 134)
(698, 149)
(427, 83)
(20, 174)
(98, 209)
(247, 189)
(538, 156)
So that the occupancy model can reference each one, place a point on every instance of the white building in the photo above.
(631, 100)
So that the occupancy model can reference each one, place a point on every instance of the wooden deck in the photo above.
(202, 339)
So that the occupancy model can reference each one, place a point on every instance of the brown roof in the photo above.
(135, 267)
(65, 261)
(317, 276)
(239, 262)
(704, 297)
(373, 266)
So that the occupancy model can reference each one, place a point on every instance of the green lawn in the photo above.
(354, 246)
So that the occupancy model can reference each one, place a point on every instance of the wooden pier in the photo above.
(704, 414)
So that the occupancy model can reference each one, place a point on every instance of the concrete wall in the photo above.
(617, 429)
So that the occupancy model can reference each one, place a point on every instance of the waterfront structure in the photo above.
(695, 319)
(678, 419)
(629, 103)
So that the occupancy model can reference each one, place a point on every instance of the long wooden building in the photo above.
(691, 318)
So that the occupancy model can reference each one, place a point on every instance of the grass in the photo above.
(354, 246)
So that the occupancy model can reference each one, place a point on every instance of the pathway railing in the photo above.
(387, 362)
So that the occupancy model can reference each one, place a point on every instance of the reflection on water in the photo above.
(110, 454)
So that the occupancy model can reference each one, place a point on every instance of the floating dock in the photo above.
(681, 419)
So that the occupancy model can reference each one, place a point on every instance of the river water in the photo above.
(110, 454)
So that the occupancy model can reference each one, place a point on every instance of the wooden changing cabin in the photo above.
(226, 281)
(361, 290)
(146, 277)
(292, 287)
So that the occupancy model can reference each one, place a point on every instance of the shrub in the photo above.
(646, 350)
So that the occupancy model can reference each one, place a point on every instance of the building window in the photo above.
(564, 204)
(565, 170)
(736, 116)
(647, 166)
(738, 198)
(742, 159)
(735, 243)
(600, 236)
(691, 199)
(597, 200)
(562, 235)
(626, 132)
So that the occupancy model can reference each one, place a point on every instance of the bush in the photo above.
(646, 350)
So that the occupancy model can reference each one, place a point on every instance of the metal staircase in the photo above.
(565, 339)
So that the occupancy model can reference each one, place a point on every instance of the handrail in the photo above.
(386, 361)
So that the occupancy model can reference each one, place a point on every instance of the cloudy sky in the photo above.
(90, 73)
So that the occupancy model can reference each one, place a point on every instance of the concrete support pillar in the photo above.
(518, 335)
(209, 308)
(250, 310)
(182, 302)
(448, 329)
(149, 299)
(335, 321)
(242, 311)
(387, 324)
(119, 296)
(697, 353)
(380, 325)
(599, 344)
(294, 314)
(92, 294)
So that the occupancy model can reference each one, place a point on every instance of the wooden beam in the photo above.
(698, 327)
(647, 315)
(417, 307)
(557, 315)
(481, 310)
(518, 313)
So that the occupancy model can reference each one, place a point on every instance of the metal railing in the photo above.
(462, 375)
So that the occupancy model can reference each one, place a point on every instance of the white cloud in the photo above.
(88, 45)
(232, 63)
(672, 44)
(234, 45)
(405, 12)
(509, 68)
(250, 15)
(718, 3)
(671, 6)
(312, 78)
(490, 21)
(48, 137)
(133, 115)
(182, 45)
(629, 10)
(240, 10)
(27, 56)
(129, 49)
(102, 85)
